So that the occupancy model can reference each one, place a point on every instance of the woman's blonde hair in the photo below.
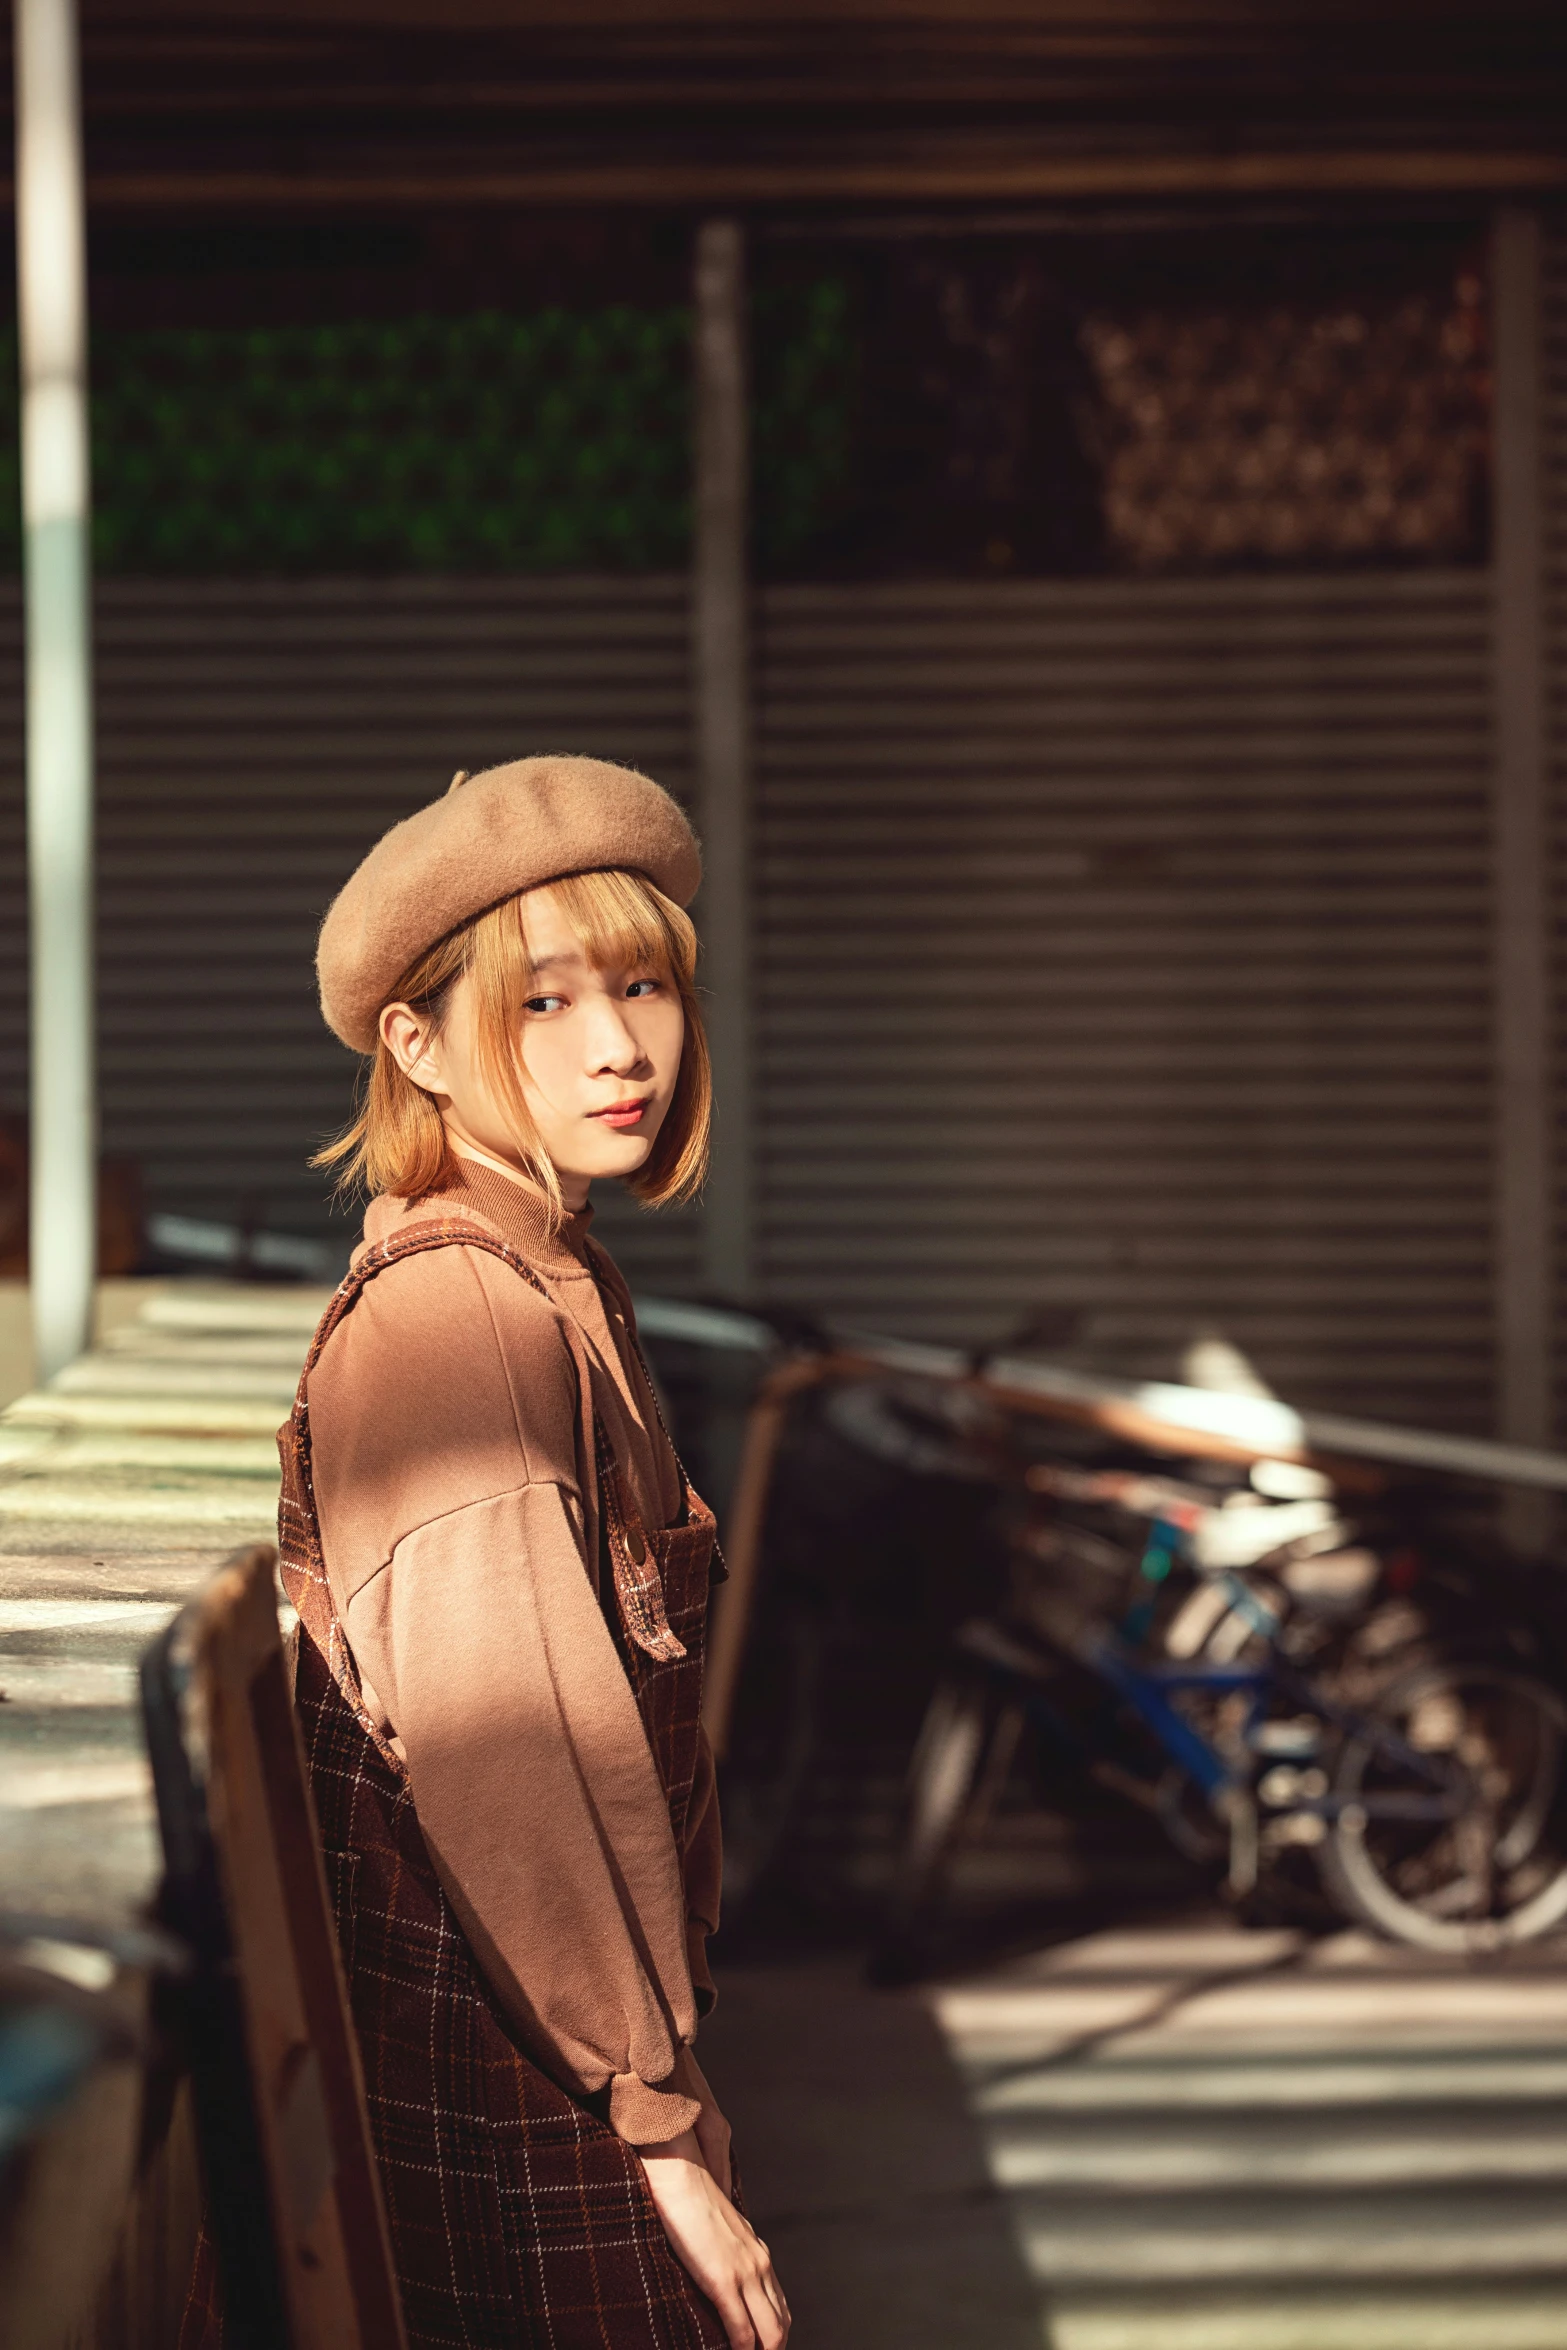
(398, 1142)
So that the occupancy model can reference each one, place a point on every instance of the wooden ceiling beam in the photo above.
(1334, 55)
(1209, 20)
(369, 105)
(680, 183)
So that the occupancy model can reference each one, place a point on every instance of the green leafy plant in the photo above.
(557, 442)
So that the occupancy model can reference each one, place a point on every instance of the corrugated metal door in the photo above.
(1124, 948)
(254, 738)
(1121, 948)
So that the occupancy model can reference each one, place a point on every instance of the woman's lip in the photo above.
(620, 1113)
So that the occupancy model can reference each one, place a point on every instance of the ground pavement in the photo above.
(1175, 2136)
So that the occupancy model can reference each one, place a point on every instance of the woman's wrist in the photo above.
(682, 2149)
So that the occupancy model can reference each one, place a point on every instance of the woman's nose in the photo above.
(613, 1045)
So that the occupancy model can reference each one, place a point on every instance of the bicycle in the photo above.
(1260, 1677)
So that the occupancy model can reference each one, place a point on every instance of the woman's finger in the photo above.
(772, 2331)
(737, 2322)
(770, 2285)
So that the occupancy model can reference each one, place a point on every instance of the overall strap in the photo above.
(688, 1492)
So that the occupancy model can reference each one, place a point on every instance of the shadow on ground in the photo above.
(863, 2165)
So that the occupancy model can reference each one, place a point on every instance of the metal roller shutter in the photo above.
(1124, 947)
(1120, 947)
(254, 737)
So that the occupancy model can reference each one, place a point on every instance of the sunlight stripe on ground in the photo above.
(1237, 2238)
(1519, 2075)
(179, 1414)
(1278, 2014)
(1528, 2319)
(238, 1506)
(1444, 2145)
(43, 1451)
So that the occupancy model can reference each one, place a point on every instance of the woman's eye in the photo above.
(543, 1003)
(643, 987)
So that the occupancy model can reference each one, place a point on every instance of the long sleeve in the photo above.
(537, 1793)
(448, 1480)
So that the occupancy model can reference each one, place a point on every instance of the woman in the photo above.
(502, 1577)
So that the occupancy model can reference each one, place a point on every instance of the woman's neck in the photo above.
(570, 1186)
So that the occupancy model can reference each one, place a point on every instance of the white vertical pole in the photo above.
(1525, 1253)
(721, 653)
(52, 305)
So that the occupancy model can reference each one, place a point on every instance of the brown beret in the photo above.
(494, 834)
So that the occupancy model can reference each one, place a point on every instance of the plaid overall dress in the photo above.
(517, 2215)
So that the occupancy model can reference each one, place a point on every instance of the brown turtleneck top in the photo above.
(451, 1436)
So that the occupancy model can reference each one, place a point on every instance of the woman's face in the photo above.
(600, 1056)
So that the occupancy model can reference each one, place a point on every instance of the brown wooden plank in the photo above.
(328, 2217)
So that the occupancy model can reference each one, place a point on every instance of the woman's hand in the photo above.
(721, 2252)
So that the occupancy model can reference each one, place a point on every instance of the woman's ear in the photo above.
(410, 1039)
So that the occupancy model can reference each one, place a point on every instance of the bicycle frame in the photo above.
(1151, 1689)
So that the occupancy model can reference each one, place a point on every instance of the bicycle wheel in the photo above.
(1451, 1832)
(963, 1752)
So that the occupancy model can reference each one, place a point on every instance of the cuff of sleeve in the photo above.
(645, 2113)
(702, 1985)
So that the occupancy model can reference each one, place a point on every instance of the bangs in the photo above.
(619, 920)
